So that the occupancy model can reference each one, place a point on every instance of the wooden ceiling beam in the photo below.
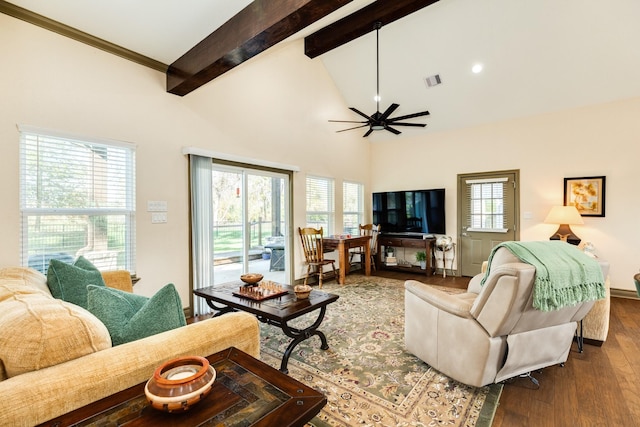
(360, 23)
(254, 29)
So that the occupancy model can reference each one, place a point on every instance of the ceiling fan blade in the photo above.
(355, 110)
(357, 127)
(388, 112)
(345, 121)
(392, 130)
(409, 116)
(368, 133)
(410, 124)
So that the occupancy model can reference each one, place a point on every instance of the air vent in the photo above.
(432, 81)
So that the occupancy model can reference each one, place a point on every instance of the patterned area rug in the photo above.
(368, 377)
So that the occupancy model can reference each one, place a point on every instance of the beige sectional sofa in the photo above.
(55, 356)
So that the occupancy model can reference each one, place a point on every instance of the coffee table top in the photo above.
(281, 309)
(246, 392)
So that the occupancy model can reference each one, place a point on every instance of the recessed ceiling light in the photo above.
(477, 68)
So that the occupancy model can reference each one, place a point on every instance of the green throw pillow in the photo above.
(69, 282)
(130, 317)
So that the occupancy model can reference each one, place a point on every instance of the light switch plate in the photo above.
(156, 206)
(158, 217)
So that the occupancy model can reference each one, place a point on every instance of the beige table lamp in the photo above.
(564, 216)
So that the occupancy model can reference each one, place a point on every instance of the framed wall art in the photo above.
(586, 194)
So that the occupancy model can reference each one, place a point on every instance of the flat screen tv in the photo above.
(410, 212)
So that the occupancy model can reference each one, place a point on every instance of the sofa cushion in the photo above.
(129, 317)
(26, 278)
(69, 282)
(37, 331)
(118, 279)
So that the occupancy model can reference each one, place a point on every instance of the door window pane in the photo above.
(486, 205)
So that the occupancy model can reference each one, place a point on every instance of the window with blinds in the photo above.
(353, 207)
(320, 203)
(77, 197)
(486, 204)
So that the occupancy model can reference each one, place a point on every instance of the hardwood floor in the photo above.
(599, 387)
(452, 282)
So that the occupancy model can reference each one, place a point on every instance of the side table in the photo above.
(277, 257)
(444, 248)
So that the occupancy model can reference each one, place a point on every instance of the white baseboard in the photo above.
(624, 293)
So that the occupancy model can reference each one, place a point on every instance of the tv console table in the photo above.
(413, 242)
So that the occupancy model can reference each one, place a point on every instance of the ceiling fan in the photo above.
(378, 120)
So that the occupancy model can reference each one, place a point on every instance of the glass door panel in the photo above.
(228, 232)
(250, 226)
(267, 222)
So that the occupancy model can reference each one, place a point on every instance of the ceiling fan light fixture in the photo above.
(382, 121)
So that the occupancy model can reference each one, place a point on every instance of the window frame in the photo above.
(119, 174)
(358, 212)
(486, 203)
(328, 185)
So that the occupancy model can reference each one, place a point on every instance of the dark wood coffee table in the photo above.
(246, 392)
(277, 311)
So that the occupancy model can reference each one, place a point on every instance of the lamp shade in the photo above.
(564, 215)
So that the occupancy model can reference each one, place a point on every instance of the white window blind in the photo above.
(77, 197)
(353, 207)
(486, 204)
(320, 203)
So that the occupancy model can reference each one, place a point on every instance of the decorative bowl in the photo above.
(302, 291)
(180, 383)
(251, 278)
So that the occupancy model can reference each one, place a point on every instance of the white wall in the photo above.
(274, 108)
(592, 141)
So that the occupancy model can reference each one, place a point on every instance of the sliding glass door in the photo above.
(250, 223)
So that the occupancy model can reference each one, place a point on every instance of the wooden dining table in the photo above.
(342, 244)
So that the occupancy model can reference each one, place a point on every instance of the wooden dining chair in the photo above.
(367, 230)
(311, 239)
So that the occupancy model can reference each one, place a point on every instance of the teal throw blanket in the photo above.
(565, 276)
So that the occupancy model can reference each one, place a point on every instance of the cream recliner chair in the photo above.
(492, 332)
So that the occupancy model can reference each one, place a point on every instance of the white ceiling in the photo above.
(538, 56)
(161, 29)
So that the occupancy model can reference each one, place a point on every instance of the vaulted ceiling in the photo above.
(537, 56)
